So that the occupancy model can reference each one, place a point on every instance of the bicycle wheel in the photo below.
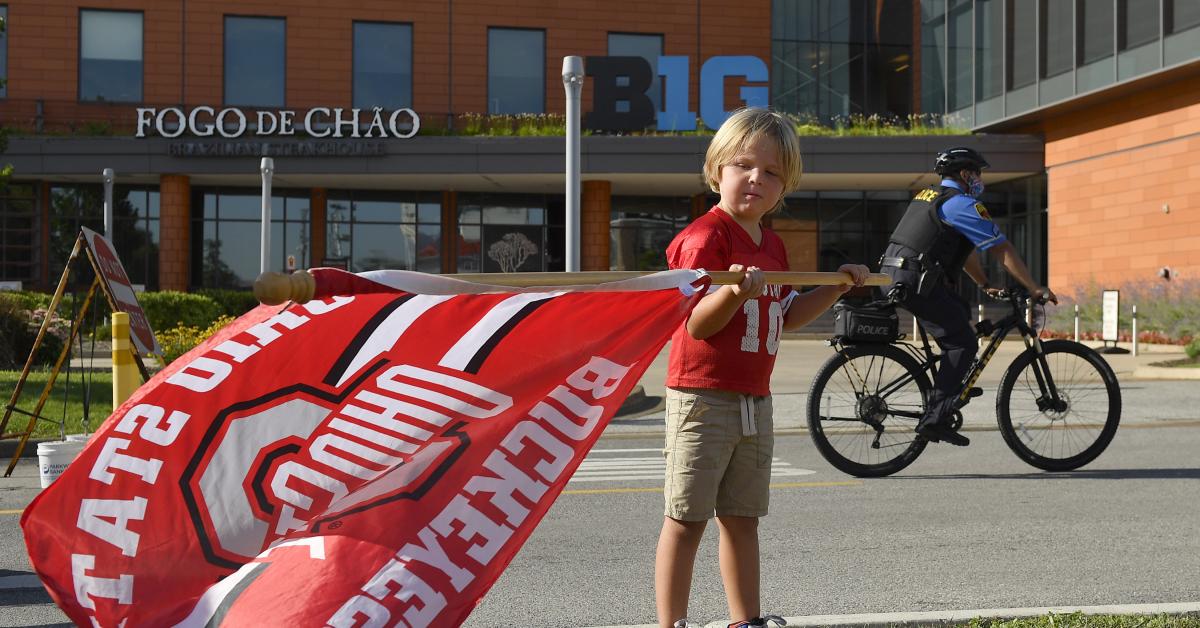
(1072, 432)
(864, 404)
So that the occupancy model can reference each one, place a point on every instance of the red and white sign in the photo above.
(364, 459)
(121, 290)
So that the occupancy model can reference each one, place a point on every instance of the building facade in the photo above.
(183, 99)
(1113, 87)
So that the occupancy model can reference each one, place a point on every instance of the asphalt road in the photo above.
(963, 528)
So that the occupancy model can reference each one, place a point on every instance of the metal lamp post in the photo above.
(572, 76)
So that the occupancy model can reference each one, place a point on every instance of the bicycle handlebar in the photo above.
(1017, 295)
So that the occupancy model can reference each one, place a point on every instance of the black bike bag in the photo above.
(865, 323)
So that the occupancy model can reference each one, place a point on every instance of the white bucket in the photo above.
(54, 456)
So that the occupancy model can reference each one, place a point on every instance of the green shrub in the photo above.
(183, 338)
(34, 301)
(233, 302)
(168, 309)
(1192, 349)
(28, 300)
(18, 331)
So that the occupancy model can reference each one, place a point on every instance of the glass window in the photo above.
(72, 207)
(1022, 55)
(135, 227)
(1095, 30)
(510, 233)
(382, 65)
(933, 57)
(1138, 21)
(1138, 42)
(961, 30)
(831, 60)
(843, 229)
(135, 233)
(110, 56)
(1057, 20)
(516, 71)
(1180, 15)
(227, 235)
(989, 60)
(1181, 24)
(255, 70)
(20, 234)
(885, 84)
(4, 53)
(648, 47)
(641, 227)
(384, 230)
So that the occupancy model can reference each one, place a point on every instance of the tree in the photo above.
(511, 251)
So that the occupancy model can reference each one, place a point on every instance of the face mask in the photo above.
(974, 185)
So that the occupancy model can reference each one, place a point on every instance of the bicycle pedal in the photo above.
(974, 392)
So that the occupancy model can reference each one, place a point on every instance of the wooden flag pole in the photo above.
(275, 288)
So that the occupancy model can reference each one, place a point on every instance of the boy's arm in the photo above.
(714, 311)
(807, 306)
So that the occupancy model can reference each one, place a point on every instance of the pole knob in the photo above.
(274, 288)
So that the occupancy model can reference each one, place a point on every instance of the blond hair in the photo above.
(743, 127)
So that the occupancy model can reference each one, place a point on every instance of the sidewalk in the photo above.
(800, 358)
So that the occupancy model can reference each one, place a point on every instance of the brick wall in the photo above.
(595, 207)
(43, 48)
(1112, 170)
(174, 232)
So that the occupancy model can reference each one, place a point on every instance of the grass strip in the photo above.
(66, 402)
(1081, 620)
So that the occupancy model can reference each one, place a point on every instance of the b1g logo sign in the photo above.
(627, 79)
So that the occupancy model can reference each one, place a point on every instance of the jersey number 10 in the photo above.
(750, 341)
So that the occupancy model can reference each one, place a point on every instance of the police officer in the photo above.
(937, 237)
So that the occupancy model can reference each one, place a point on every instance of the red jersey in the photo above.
(741, 356)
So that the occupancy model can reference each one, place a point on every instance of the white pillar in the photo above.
(1135, 334)
(1076, 322)
(267, 167)
(108, 175)
(572, 77)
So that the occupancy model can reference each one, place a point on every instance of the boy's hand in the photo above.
(858, 273)
(753, 282)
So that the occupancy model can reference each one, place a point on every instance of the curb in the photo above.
(8, 447)
(1166, 373)
(942, 618)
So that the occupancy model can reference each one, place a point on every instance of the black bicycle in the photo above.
(1058, 404)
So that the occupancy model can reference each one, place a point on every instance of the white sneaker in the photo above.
(683, 623)
(760, 622)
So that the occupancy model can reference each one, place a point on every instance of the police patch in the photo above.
(983, 212)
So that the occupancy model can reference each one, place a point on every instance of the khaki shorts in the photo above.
(718, 449)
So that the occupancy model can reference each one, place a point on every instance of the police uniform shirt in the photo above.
(970, 218)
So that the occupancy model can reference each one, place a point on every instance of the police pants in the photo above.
(947, 317)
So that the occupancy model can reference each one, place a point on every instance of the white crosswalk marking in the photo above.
(620, 465)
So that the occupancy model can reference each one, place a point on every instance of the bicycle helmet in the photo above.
(952, 160)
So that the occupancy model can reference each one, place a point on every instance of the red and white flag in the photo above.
(373, 457)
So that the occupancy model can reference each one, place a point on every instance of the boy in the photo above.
(719, 429)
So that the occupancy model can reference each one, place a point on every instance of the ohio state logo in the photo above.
(279, 464)
(297, 457)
